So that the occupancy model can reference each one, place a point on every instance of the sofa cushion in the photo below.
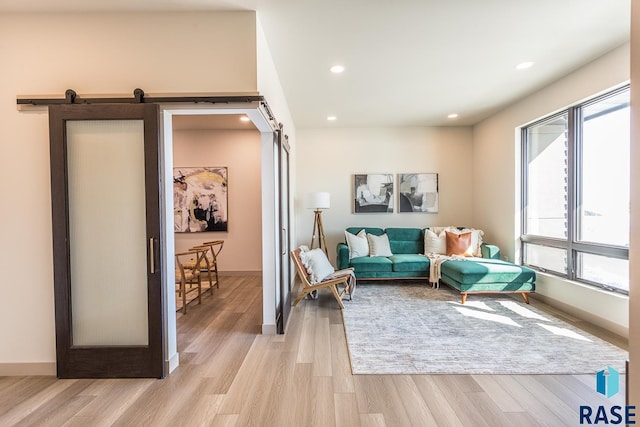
(482, 270)
(459, 244)
(406, 240)
(369, 230)
(358, 244)
(476, 238)
(379, 245)
(435, 242)
(410, 262)
(370, 264)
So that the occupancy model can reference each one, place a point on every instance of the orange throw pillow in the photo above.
(459, 244)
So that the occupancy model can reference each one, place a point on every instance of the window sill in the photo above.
(608, 310)
(584, 286)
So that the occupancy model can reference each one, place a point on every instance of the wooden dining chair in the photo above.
(334, 280)
(207, 264)
(187, 272)
(216, 248)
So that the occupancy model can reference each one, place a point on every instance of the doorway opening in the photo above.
(239, 138)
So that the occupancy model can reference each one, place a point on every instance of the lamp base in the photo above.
(319, 228)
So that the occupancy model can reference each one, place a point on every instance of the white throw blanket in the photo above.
(351, 282)
(435, 262)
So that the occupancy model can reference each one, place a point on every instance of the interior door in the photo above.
(285, 224)
(106, 238)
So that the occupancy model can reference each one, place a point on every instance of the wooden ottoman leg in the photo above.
(464, 297)
(525, 297)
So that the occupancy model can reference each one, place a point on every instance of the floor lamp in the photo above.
(318, 201)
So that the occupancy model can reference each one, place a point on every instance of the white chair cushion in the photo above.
(317, 265)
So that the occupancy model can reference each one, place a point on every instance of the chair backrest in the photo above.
(189, 262)
(208, 258)
(300, 268)
(216, 247)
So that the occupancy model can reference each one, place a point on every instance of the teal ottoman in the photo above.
(482, 275)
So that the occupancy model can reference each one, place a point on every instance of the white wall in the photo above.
(93, 54)
(327, 159)
(634, 245)
(497, 178)
(270, 87)
(239, 151)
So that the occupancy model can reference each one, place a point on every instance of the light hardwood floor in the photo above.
(229, 375)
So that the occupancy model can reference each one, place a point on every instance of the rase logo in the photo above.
(607, 384)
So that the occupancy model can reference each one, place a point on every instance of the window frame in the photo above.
(571, 244)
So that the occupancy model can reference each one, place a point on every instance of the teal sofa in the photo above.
(488, 274)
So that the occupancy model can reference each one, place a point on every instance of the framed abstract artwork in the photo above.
(373, 193)
(200, 199)
(418, 192)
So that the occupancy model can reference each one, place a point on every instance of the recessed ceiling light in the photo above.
(331, 118)
(452, 116)
(337, 69)
(245, 118)
(524, 65)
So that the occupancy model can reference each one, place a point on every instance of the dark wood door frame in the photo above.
(104, 362)
(285, 228)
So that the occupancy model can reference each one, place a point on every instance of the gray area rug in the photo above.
(414, 329)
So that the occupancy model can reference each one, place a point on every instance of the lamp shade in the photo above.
(318, 200)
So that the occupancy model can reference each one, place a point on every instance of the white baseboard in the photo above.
(612, 327)
(27, 369)
(269, 329)
(171, 364)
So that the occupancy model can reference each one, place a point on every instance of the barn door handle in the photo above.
(152, 256)
(284, 241)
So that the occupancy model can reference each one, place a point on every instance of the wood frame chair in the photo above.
(207, 264)
(216, 248)
(188, 272)
(308, 287)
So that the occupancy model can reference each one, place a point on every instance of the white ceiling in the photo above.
(408, 62)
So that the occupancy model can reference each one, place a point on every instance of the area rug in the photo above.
(414, 329)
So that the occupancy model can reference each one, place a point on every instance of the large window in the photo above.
(576, 192)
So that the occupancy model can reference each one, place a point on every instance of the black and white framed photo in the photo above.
(418, 192)
(200, 199)
(373, 193)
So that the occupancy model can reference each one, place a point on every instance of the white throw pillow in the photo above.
(379, 245)
(317, 265)
(358, 244)
(476, 238)
(434, 242)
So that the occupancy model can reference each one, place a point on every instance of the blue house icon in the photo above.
(608, 383)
